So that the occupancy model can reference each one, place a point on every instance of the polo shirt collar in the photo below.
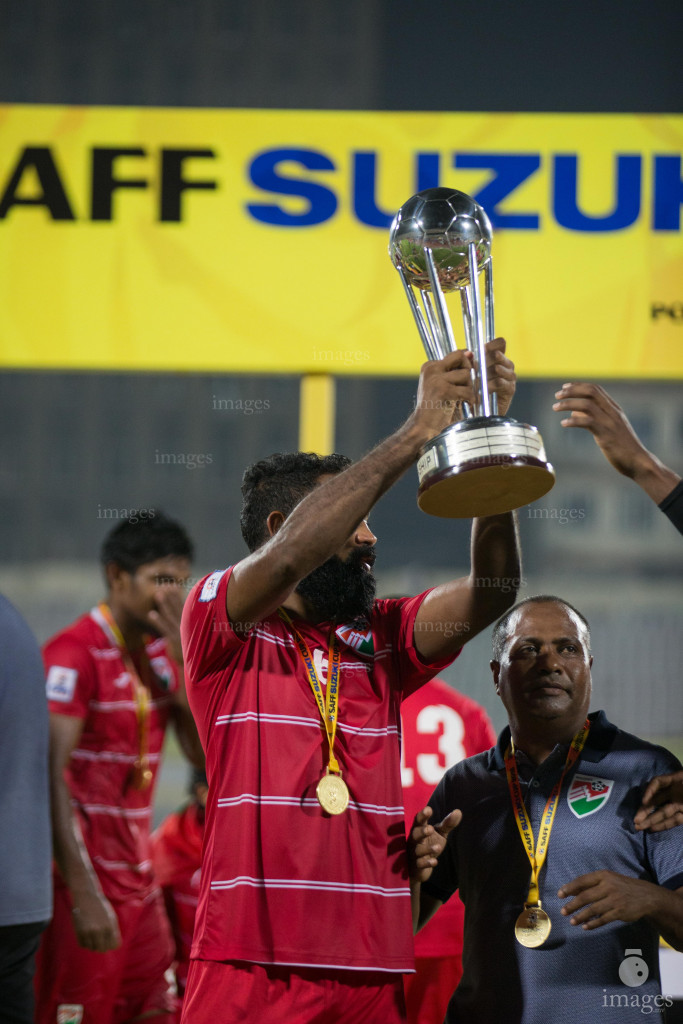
(599, 743)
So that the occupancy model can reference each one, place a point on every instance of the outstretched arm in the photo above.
(426, 843)
(592, 408)
(454, 612)
(604, 896)
(321, 523)
(662, 806)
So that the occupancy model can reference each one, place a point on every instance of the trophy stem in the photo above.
(439, 301)
(469, 338)
(427, 340)
(479, 350)
(433, 325)
(490, 328)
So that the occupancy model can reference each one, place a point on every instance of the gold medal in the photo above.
(533, 925)
(142, 774)
(333, 794)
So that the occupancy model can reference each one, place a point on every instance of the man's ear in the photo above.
(274, 522)
(495, 669)
(114, 575)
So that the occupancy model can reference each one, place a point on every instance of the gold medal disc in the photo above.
(533, 925)
(333, 794)
(142, 775)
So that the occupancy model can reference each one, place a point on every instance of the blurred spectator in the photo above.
(25, 853)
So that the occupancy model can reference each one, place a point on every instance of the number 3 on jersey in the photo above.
(433, 719)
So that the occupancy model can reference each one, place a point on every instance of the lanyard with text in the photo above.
(142, 773)
(537, 858)
(332, 792)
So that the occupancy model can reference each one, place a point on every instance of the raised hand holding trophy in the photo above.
(440, 241)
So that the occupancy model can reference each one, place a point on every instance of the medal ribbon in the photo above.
(537, 857)
(140, 691)
(329, 709)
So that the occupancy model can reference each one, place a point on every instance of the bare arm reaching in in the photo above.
(592, 408)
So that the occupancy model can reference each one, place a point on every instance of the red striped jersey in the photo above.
(88, 679)
(283, 881)
(177, 857)
(440, 728)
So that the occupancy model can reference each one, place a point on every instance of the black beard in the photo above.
(341, 591)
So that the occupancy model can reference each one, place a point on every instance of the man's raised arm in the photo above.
(322, 522)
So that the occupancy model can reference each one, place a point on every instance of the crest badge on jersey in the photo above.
(163, 671)
(359, 640)
(210, 588)
(69, 1013)
(588, 794)
(61, 683)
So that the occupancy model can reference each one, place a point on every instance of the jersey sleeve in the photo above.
(70, 676)
(206, 632)
(398, 618)
(672, 506)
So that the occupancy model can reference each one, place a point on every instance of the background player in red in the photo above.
(440, 727)
(114, 681)
(177, 858)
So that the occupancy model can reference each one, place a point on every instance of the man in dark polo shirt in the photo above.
(565, 899)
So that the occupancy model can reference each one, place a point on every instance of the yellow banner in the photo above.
(256, 241)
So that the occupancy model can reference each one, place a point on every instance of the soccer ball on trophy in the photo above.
(446, 222)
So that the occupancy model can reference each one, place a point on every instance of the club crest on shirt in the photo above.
(587, 794)
(162, 670)
(210, 588)
(61, 683)
(69, 1013)
(360, 641)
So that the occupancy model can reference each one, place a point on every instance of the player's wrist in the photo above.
(656, 479)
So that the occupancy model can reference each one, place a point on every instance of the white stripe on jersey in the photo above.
(306, 801)
(271, 638)
(110, 755)
(126, 705)
(287, 641)
(189, 901)
(253, 716)
(115, 812)
(387, 730)
(304, 883)
(124, 865)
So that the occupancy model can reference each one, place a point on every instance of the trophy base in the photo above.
(482, 467)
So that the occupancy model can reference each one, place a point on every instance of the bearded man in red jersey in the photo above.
(304, 905)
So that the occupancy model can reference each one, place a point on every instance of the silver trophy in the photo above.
(440, 242)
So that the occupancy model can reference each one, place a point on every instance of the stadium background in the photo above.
(76, 445)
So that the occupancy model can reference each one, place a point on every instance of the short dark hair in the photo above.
(132, 544)
(278, 483)
(500, 630)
